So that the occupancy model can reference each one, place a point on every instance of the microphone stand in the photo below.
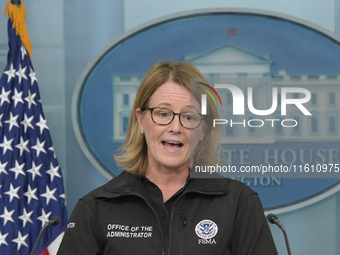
(53, 222)
(285, 236)
(273, 219)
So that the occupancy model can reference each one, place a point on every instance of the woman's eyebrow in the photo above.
(189, 107)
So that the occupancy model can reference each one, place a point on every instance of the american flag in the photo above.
(31, 186)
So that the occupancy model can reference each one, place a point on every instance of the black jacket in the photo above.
(211, 216)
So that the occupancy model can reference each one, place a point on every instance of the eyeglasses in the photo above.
(164, 116)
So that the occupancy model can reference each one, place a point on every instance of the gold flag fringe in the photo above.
(18, 15)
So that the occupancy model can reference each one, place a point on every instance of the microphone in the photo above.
(52, 222)
(273, 219)
(55, 221)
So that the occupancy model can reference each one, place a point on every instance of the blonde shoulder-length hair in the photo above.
(133, 155)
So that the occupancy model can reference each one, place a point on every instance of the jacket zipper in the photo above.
(181, 233)
(184, 220)
(171, 219)
(159, 223)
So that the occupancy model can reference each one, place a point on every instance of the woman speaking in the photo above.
(155, 206)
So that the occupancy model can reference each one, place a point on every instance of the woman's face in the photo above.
(169, 146)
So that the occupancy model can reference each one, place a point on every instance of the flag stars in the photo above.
(17, 97)
(20, 240)
(3, 239)
(42, 124)
(3, 168)
(10, 73)
(26, 217)
(13, 192)
(35, 170)
(30, 194)
(6, 145)
(64, 197)
(22, 146)
(52, 150)
(4, 96)
(30, 178)
(27, 122)
(44, 217)
(53, 171)
(23, 51)
(18, 169)
(12, 121)
(39, 147)
(21, 73)
(7, 216)
(30, 99)
(49, 194)
(32, 76)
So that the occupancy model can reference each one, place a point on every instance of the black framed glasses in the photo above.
(164, 116)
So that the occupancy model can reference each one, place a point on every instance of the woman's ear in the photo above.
(139, 117)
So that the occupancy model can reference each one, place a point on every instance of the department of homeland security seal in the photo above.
(206, 229)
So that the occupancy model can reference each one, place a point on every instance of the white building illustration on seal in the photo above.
(249, 69)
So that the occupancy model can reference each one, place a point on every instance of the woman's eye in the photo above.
(189, 117)
(163, 114)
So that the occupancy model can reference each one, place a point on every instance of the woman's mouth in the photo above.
(172, 146)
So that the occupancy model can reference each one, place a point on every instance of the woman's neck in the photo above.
(169, 181)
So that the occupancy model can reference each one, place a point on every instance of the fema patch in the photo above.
(206, 229)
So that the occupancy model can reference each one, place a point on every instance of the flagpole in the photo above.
(16, 2)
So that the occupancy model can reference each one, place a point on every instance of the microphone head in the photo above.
(55, 221)
(272, 218)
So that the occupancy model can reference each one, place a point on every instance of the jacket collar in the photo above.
(130, 184)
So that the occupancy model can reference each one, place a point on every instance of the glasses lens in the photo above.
(190, 119)
(162, 116)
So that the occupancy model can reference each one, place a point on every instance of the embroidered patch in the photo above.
(71, 225)
(206, 229)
